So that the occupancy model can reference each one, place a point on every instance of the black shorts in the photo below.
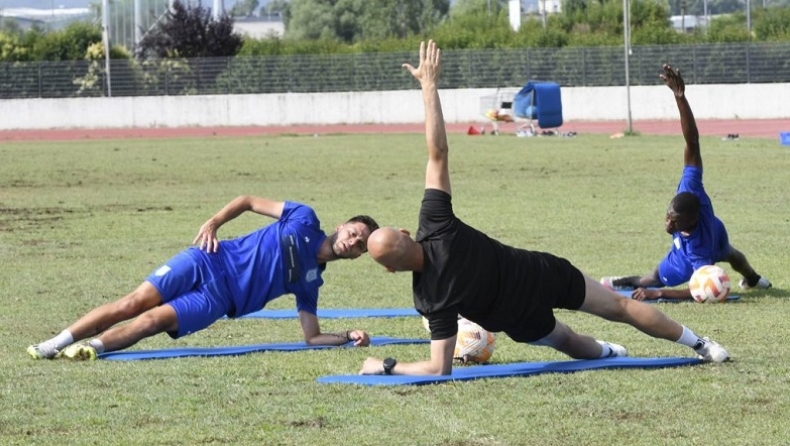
(561, 285)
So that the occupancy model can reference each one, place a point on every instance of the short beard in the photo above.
(332, 240)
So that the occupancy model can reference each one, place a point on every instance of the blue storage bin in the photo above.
(784, 138)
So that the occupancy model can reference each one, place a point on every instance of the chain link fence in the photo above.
(501, 68)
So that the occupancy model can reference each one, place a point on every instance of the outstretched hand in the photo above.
(206, 238)
(430, 63)
(673, 79)
(645, 294)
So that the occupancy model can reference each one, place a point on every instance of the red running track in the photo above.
(767, 128)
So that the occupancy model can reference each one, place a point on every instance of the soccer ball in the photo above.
(709, 283)
(473, 345)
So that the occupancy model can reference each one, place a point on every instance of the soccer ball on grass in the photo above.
(473, 345)
(709, 283)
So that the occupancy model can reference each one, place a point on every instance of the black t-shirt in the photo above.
(467, 273)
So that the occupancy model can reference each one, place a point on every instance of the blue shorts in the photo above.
(196, 289)
(676, 269)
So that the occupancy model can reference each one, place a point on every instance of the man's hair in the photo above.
(685, 204)
(365, 220)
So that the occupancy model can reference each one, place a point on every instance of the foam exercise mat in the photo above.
(510, 370)
(135, 355)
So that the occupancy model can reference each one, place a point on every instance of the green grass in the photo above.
(82, 223)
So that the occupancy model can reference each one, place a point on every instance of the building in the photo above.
(50, 19)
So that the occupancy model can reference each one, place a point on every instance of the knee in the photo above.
(151, 323)
(619, 309)
(136, 303)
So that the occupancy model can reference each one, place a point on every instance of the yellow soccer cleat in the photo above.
(42, 351)
(78, 352)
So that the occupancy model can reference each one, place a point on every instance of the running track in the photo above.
(768, 128)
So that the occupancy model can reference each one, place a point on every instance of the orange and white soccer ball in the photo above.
(709, 283)
(474, 344)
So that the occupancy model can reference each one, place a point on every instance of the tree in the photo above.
(191, 32)
(244, 8)
(354, 20)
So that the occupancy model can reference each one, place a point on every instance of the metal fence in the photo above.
(570, 67)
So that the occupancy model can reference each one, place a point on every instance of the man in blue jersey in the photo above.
(217, 278)
(459, 270)
(699, 238)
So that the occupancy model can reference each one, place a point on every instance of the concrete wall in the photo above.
(747, 101)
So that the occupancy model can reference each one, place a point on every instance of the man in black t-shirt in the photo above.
(458, 270)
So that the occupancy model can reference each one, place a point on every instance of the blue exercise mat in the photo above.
(670, 300)
(348, 313)
(136, 355)
(510, 370)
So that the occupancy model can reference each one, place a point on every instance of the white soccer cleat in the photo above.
(712, 352)
(763, 283)
(616, 283)
(615, 350)
(42, 351)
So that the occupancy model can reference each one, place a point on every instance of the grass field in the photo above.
(82, 223)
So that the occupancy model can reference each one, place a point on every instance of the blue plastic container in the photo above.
(784, 138)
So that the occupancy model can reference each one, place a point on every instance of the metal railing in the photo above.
(570, 67)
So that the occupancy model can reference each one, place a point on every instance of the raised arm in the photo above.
(691, 154)
(207, 235)
(437, 175)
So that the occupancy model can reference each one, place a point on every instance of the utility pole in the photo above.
(105, 23)
(627, 45)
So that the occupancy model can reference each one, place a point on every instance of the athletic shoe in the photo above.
(763, 283)
(712, 352)
(42, 351)
(616, 283)
(615, 350)
(78, 352)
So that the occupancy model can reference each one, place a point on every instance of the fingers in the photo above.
(206, 242)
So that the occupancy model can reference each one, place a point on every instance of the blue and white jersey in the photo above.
(281, 258)
(708, 242)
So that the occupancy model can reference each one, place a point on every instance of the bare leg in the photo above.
(609, 305)
(144, 298)
(154, 321)
(575, 345)
(646, 281)
(738, 261)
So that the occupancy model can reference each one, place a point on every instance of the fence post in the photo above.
(748, 62)
(584, 67)
(40, 81)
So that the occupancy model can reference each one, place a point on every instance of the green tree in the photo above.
(71, 43)
(244, 8)
(11, 48)
(354, 20)
(772, 24)
(728, 29)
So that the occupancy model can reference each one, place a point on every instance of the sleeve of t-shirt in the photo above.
(691, 181)
(307, 301)
(443, 324)
(436, 213)
(293, 211)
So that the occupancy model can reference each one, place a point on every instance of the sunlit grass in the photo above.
(82, 223)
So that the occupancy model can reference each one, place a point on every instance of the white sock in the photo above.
(62, 340)
(98, 345)
(689, 339)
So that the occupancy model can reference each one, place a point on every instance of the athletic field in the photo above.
(83, 221)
